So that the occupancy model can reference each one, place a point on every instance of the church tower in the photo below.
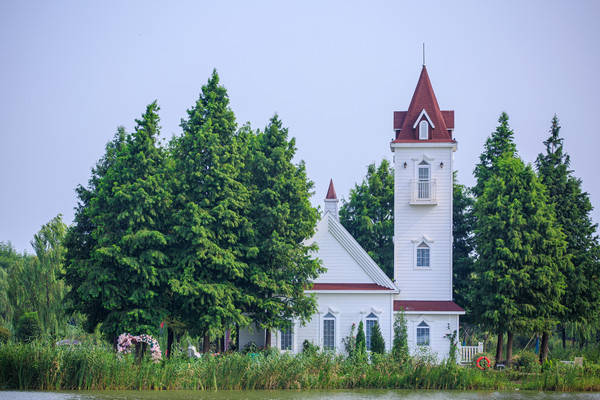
(423, 153)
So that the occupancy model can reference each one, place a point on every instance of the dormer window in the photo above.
(423, 130)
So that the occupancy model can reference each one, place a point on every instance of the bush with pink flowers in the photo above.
(126, 342)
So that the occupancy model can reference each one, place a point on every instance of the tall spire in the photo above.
(331, 201)
(424, 104)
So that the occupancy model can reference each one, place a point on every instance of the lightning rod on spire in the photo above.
(423, 53)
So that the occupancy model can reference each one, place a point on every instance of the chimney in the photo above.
(331, 201)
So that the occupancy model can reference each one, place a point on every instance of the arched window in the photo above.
(423, 255)
(371, 321)
(329, 332)
(423, 130)
(286, 338)
(423, 334)
(424, 180)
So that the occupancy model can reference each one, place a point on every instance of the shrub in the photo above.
(309, 348)
(28, 327)
(361, 344)
(527, 361)
(400, 344)
(350, 342)
(4, 335)
(377, 342)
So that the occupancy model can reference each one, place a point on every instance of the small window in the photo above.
(329, 332)
(423, 130)
(286, 339)
(422, 334)
(371, 321)
(423, 255)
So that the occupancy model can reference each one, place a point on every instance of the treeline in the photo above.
(525, 254)
(204, 233)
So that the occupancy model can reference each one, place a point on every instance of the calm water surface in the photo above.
(291, 395)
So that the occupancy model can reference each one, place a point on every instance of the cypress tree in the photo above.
(369, 215)
(118, 255)
(521, 253)
(377, 342)
(209, 223)
(400, 344)
(279, 265)
(572, 207)
(361, 344)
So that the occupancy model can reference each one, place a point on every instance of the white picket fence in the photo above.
(467, 352)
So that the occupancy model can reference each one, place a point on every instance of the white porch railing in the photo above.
(423, 192)
(467, 352)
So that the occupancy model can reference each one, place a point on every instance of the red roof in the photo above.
(331, 192)
(423, 99)
(348, 286)
(419, 305)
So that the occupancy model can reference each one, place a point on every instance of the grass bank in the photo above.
(41, 367)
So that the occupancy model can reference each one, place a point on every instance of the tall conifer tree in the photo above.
(572, 207)
(521, 253)
(280, 266)
(126, 212)
(209, 222)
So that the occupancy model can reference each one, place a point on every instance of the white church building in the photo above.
(354, 288)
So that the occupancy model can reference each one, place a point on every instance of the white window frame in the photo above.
(424, 248)
(372, 317)
(423, 325)
(418, 242)
(282, 333)
(424, 130)
(330, 317)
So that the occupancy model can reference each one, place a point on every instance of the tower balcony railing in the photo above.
(423, 192)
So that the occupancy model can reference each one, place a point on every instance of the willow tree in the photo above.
(521, 253)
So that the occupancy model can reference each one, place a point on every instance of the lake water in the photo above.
(292, 395)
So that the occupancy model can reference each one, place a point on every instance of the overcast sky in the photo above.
(71, 72)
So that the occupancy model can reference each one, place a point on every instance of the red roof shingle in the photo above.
(422, 305)
(331, 192)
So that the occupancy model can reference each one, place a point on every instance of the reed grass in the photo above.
(39, 366)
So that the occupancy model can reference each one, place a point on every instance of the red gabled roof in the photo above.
(423, 99)
(348, 286)
(331, 192)
(421, 305)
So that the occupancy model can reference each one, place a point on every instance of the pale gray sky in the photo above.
(72, 71)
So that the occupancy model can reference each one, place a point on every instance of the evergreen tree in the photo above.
(521, 253)
(209, 224)
(280, 266)
(463, 223)
(501, 141)
(126, 211)
(400, 344)
(361, 344)
(572, 207)
(377, 342)
(369, 215)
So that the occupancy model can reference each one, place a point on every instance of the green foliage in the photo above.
(499, 143)
(463, 223)
(453, 348)
(309, 348)
(521, 251)
(350, 342)
(4, 335)
(573, 207)
(527, 361)
(377, 342)
(116, 257)
(28, 327)
(400, 345)
(369, 215)
(279, 265)
(209, 223)
(361, 344)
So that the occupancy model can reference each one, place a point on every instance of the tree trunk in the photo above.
(544, 347)
(563, 331)
(267, 338)
(499, 347)
(509, 343)
(222, 344)
(206, 344)
(237, 337)
(169, 341)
